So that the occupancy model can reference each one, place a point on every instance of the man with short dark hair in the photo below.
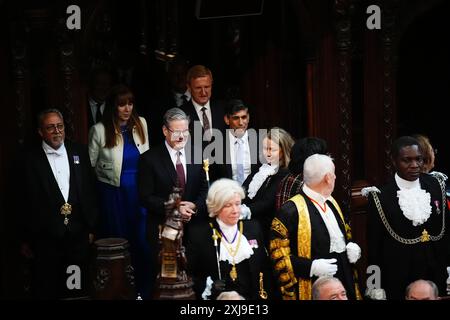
(240, 152)
(408, 223)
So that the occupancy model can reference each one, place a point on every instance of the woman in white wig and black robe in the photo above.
(225, 253)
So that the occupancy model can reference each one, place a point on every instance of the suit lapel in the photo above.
(47, 177)
(75, 173)
(168, 164)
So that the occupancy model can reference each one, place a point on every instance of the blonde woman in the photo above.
(261, 186)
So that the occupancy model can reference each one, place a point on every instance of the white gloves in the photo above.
(353, 252)
(323, 267)
(246, 213)
(376, 294)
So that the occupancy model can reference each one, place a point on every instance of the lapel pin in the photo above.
(436, 203)
(76, 159)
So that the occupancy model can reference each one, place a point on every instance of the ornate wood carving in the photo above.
(19, 56)
(343, 12)
(66, 54)
(143, 46)
(388, 36)
(173, 282)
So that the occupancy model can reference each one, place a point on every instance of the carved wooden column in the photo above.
(66, 54)
(19, 56)
(389, 44)
(343, 11)
(143, 46)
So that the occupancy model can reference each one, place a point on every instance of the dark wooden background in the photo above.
(309, 66)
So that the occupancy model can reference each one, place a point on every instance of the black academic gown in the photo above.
(320, 243)
(202, 261)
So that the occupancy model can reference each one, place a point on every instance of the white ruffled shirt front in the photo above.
(414, 201)
(244, 250)
(263, 173)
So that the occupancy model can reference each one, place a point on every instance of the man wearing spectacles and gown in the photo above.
(166, 166)
(59, 212)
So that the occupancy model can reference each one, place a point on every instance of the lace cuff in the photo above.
(365, 191)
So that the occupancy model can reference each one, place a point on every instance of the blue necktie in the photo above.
(239, 153)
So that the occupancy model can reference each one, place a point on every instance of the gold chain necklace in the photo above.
(232, 252)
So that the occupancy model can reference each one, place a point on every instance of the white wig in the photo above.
(316, 167)
(220, 192)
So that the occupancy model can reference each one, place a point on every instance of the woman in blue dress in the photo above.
(115, 144)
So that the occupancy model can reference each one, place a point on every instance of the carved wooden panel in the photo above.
(343, 11)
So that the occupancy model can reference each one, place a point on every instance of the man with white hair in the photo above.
(328, 288)
(310, 237)
(422, 290)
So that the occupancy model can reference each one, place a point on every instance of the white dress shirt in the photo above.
(59, 162)
(198, 109)
(179, 97)
(93, 106)
(247, 158)
(337, 240)
(173, 156)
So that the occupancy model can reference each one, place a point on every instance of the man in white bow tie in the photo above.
(60, 216)
(408, 223)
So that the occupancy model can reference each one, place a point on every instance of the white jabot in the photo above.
(260, 177)
(337, 240)
(59, 163)
(413, 200)
(173, 156)
(244, 251)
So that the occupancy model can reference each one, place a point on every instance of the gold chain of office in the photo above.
(425, 237)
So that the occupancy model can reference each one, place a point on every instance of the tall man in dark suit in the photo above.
(206, 115)
(61, 211)
(168, 165)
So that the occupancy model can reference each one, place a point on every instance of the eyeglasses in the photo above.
(177, 134)
(53, 127)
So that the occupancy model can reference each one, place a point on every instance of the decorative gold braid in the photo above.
(303, 243)
(280, 253)
(232, 252)
(279, 228)
(423, 238)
